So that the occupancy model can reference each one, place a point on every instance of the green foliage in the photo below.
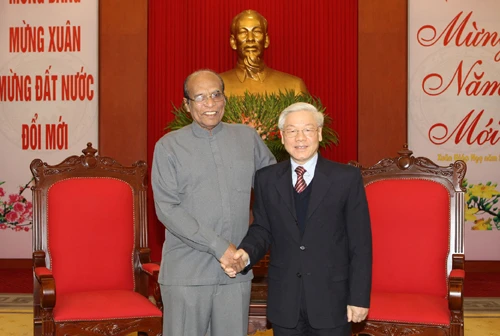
(262, 112)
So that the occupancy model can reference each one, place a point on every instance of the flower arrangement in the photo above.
(16, 212)
(262, 112)
(482, 199)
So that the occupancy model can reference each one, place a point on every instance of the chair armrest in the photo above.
(455, 289)
(457, 273)
(458, 261)
(151, 269)
(47, 287)
(42, 272)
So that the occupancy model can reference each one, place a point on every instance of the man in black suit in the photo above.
(315, 220)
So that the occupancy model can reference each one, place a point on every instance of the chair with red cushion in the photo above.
(90, 256)
(417, 219)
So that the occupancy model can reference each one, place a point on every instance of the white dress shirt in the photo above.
(309, 166)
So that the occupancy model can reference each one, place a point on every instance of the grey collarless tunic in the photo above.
(202, 183)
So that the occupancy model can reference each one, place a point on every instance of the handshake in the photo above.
(234, 261)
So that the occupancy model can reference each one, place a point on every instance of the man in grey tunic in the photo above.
(202, 177)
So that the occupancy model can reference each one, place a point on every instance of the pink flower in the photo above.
(15, 211)
(28, 214)
(12, 216)
(19, 207)
(13, 198)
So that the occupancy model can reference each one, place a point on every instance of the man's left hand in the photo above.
(356, 314)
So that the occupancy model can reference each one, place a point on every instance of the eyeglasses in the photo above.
(308, 132)
(216, 96)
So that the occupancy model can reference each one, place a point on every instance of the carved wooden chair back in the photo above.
(90, 253)
(417, 217)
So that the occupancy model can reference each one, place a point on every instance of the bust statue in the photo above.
(249, 38)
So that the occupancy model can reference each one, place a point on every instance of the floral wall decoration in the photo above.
(16, 212)
(262, 112)
(482, 207)
(452, 109)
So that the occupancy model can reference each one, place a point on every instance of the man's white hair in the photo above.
(295, 107)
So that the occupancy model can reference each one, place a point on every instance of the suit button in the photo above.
(299, 275)
(302, 247)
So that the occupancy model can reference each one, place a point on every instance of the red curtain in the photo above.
(314, 40)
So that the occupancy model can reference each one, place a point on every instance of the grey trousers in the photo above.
(215, 310)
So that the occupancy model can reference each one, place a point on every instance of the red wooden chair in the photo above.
(417, 217)
(90, 257)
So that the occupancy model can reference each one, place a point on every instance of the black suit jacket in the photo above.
(332, 258)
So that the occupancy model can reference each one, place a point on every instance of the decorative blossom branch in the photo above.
(16, 211)
(482, 199)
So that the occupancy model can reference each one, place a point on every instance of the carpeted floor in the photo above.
(16, 280)
(482, 316)
(481, 284)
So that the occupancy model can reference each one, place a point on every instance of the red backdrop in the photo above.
(314, 40)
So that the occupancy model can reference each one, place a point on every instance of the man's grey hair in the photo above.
(188, 78)
(320, 118)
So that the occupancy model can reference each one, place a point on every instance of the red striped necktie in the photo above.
(301, 185)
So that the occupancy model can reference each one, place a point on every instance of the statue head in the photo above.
(249, 37)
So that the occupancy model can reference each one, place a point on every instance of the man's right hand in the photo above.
(238, 262)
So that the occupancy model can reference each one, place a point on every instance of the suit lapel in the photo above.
(285, 191)
(321, 185)
(284, 187)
